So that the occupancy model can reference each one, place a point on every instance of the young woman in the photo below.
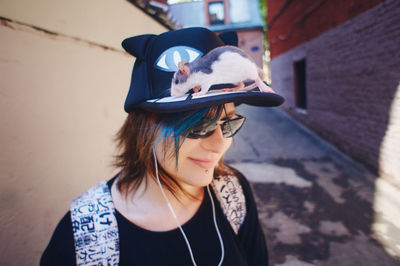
(174, 201)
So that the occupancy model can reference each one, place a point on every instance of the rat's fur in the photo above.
(222, 65)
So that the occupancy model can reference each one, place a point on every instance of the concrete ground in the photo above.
(316, 205)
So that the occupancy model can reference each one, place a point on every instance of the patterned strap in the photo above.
(95, 227)
(230, 195)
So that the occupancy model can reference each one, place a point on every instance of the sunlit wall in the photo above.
(63, 81)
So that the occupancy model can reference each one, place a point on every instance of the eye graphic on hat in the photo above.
(170, 58)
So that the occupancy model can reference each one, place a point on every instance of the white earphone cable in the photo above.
(172, 210)
(216, 228)
(179, 225)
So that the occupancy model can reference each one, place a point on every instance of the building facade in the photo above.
(337, 63)
(242, 16)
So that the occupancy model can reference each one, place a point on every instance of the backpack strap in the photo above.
(229, 193)
(95, 227)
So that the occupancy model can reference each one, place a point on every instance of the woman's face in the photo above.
(197, 157)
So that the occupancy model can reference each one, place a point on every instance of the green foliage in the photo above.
(263, 10)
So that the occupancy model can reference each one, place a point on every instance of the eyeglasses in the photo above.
(229, 127)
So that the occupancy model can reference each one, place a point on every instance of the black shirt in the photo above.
(142, 247)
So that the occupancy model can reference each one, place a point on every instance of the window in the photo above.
(300, 88)
(216, 12)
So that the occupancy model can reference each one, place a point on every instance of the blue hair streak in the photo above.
(176, 127)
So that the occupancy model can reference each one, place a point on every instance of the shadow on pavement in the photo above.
(316, 205)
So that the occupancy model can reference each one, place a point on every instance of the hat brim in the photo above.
(175, 104)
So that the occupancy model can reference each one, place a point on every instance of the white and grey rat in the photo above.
(222, 65)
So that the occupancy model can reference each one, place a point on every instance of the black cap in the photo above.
(156, 62)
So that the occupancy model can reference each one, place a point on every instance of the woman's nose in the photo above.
(215, 142)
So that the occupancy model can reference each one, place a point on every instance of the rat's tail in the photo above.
(263, 87)
(261, 73)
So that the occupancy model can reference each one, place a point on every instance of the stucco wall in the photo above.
(63, 82)
(353, 84)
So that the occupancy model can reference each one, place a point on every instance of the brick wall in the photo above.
(352, 79)
(300, 21)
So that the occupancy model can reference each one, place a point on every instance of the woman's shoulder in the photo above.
(61, 249)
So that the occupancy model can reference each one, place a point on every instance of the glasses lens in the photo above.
(232, 126)
(205, 129)
(202, 130)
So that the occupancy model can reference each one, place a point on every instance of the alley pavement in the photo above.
(316, 205)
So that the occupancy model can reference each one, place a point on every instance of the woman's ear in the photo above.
(137, 46)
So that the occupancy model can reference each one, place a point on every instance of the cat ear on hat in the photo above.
(137, 45)
(229, 38)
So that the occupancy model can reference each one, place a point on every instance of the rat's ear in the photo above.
(229, 38)
(183, 68)
(137, 45)
(186, 70)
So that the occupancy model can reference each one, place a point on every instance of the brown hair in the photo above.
(136, 140)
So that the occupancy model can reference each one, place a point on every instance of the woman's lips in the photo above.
(206, 164)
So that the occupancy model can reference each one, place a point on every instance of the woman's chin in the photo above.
(200, 179)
